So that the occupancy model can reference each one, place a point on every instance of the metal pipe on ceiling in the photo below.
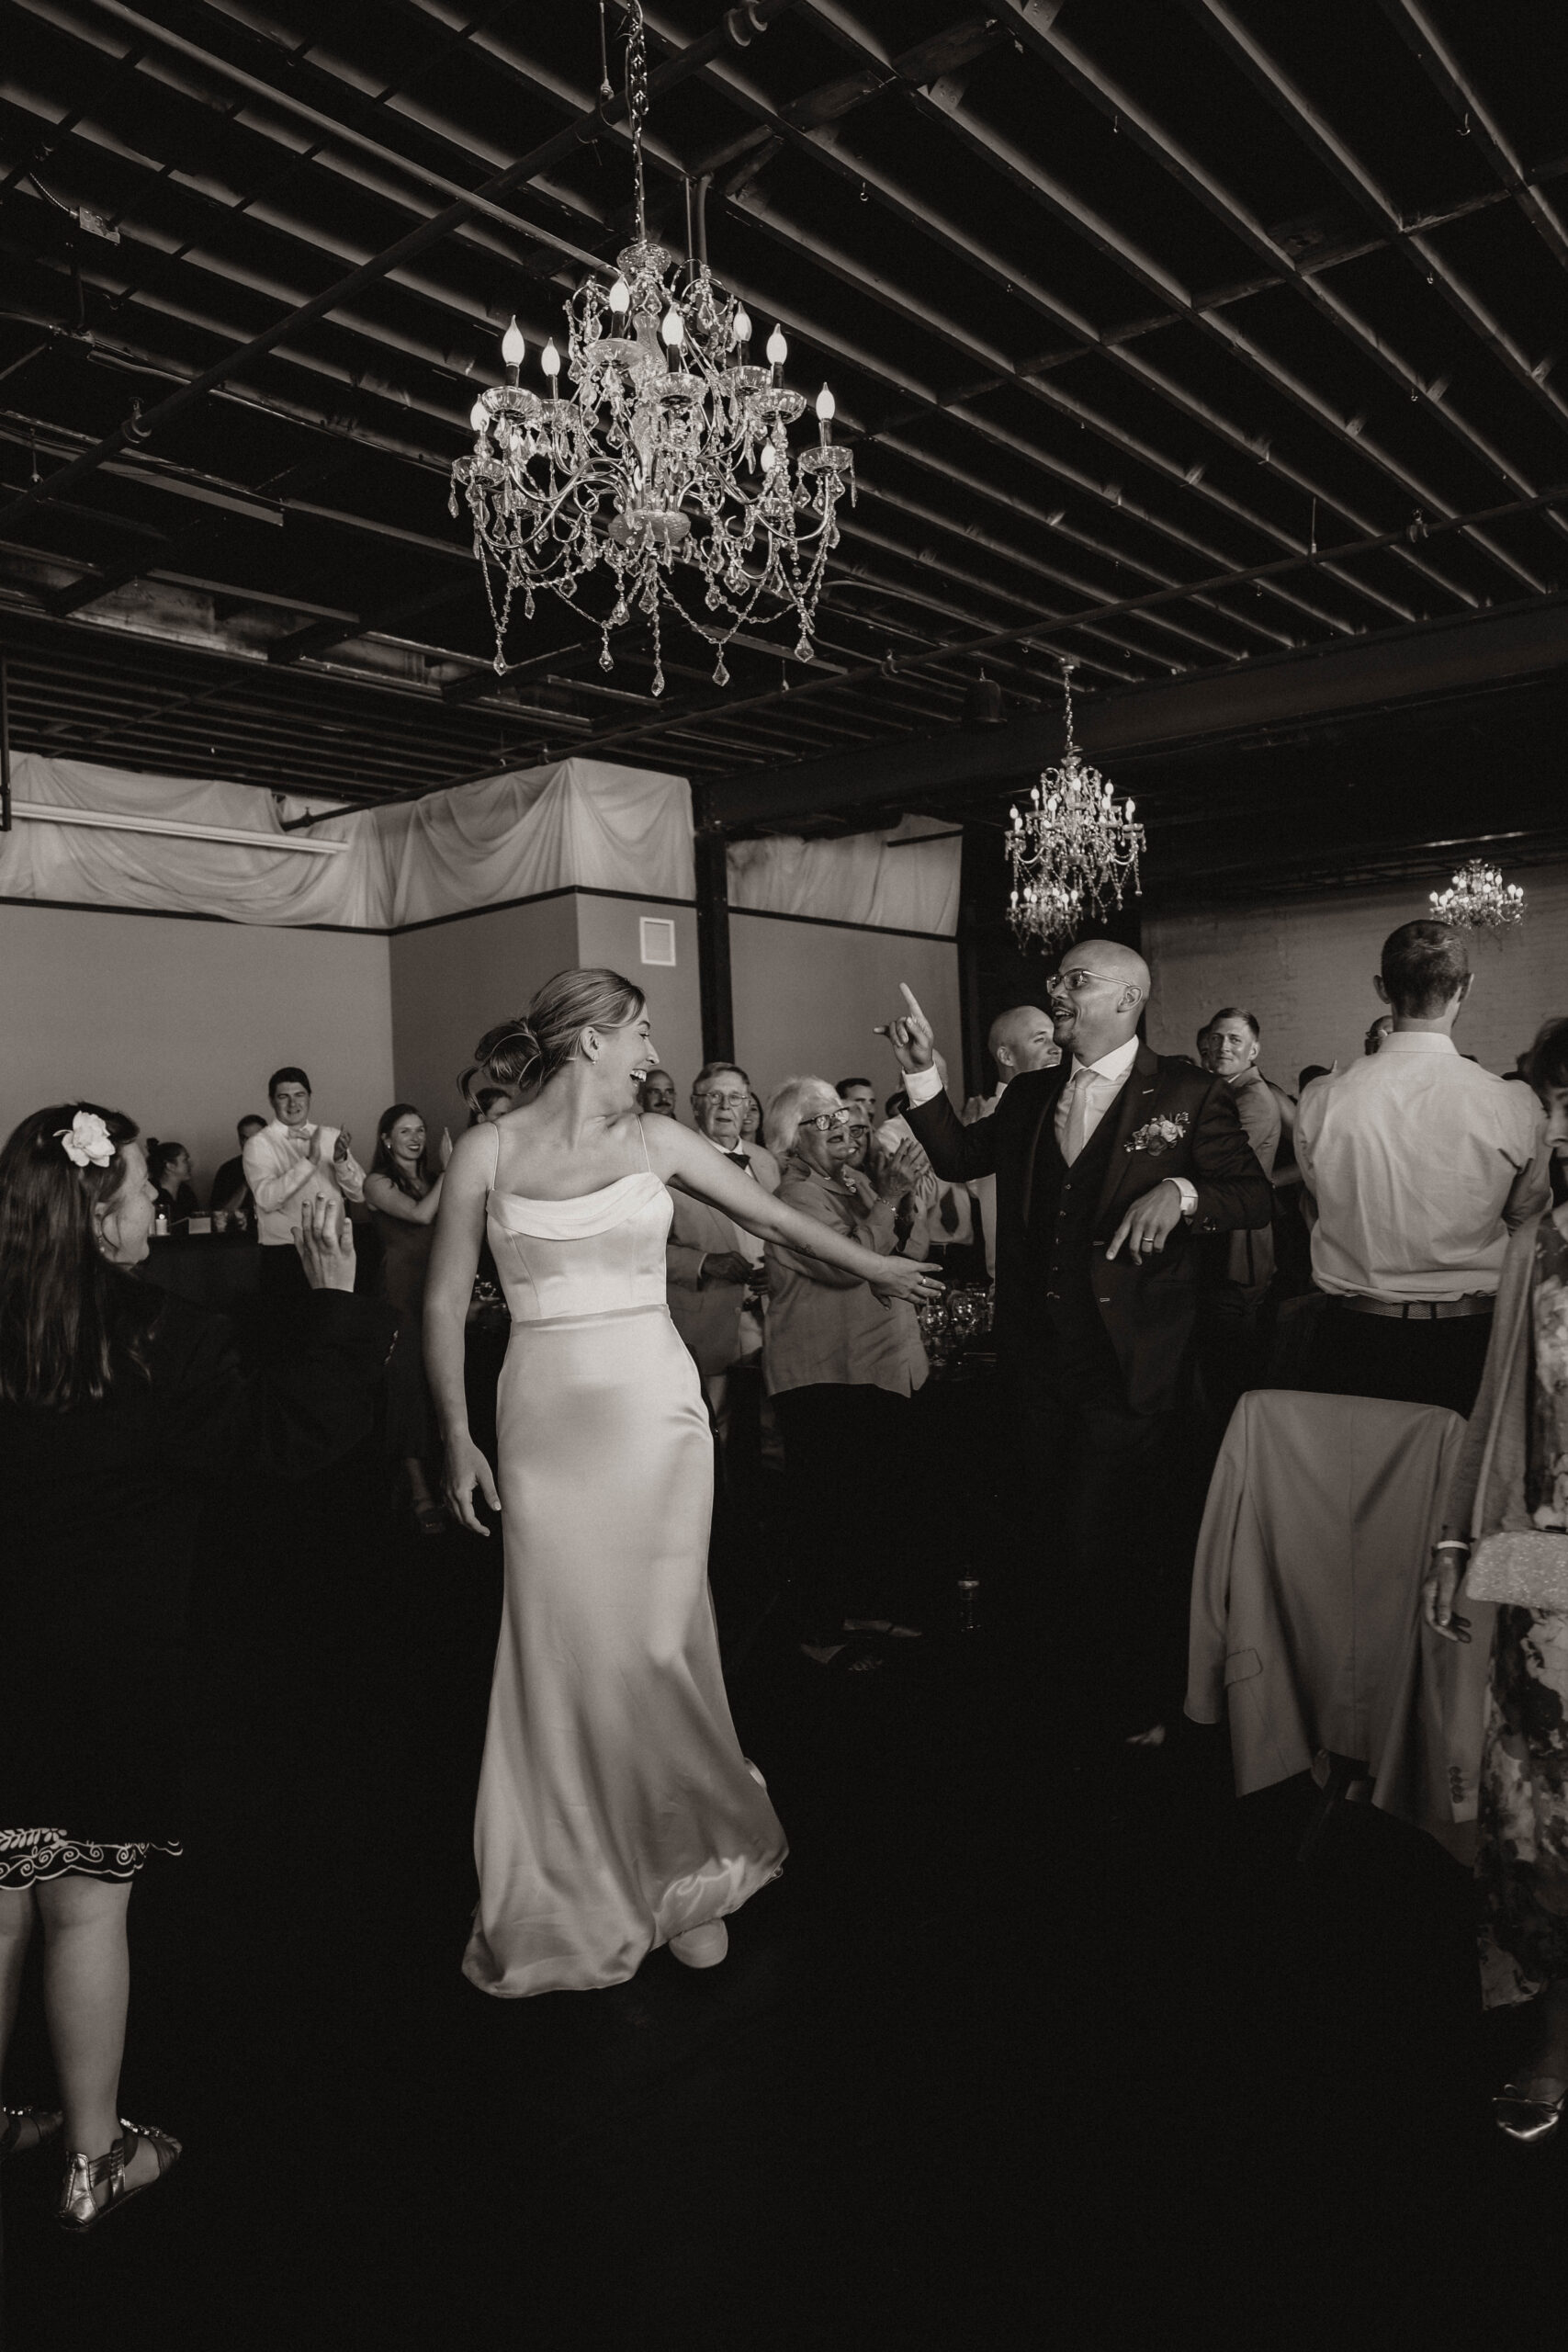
(595, 120)
(1414, 25)
(1066, 205)
(1314, 127)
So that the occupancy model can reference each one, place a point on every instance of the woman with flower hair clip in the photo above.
(121, 1411)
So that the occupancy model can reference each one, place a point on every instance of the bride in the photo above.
(615, 1811)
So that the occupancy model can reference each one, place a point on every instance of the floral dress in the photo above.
(1523, 1863)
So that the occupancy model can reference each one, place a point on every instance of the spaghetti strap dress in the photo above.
(616, 1809)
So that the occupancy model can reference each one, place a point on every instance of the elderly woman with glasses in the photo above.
(840, 1366)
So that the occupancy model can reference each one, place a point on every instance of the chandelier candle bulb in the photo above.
(778, 352)
(742, 327)
(478, 415)
(827, 408)
(513, 350)
(673, 329)
(620, 298)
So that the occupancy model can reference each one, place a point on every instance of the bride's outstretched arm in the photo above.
(455, 1254)
(674, 1151)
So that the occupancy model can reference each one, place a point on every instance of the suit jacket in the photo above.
(706, 1315)
(1147, 1310)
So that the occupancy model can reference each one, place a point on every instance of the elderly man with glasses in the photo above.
(714, 1272)
(1107, 1170)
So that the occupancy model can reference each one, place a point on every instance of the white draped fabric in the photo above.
(894, 881)
(578, 822)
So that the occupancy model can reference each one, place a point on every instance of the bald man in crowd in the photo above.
(1020, 1038)
(1109, 1169)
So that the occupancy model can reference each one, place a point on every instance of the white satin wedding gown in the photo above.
(616, 1809)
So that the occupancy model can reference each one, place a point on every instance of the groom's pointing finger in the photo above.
(913, 1002)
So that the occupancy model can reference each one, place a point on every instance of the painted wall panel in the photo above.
(180, 1024)
(809, 997)
(1305, 967)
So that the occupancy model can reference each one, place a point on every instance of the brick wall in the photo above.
(1305, 967)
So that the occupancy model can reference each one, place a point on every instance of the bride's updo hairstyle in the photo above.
(71, 1323)
(527, 1050)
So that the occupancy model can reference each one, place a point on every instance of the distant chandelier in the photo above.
(1073, 850)
(672, 451)
(1479, 900)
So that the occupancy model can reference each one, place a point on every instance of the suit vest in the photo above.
(1061, 1221)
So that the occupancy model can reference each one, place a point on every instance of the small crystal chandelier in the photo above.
(1073, 850)
(1479, 900)
(671, 452)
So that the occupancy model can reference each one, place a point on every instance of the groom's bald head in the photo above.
(1097, 994)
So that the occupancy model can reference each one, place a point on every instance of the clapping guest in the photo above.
(123, 1409)
(841, 1364)
(1512, 1478)
(293, 1160)
(230, 1191)
(168, 1171)
(404, 1198)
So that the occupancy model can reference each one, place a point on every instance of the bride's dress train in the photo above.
(616, 1809)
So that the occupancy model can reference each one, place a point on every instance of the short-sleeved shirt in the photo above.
(1421, 1164)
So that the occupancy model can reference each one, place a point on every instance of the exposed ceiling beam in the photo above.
(588, 126)
(1314, 682)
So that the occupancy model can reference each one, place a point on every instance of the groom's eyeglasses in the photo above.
(823, 1120)
(1078, 980)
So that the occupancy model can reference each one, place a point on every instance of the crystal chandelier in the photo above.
(669, 455)
(1073, 850)
(1479, 900)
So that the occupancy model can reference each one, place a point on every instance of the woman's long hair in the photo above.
(529, 1050)
(385, 1163)
(71, 1324)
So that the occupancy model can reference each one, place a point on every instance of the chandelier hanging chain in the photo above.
(636, 103)
(1074, 851)
(669, 450)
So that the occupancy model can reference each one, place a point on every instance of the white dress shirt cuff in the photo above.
(1188, 1191)
(922, 1086)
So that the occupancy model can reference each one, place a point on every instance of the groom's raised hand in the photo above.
(911, 1037)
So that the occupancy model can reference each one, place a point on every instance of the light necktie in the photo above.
(1075, 1132)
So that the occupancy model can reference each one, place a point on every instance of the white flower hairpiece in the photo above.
(85, 1140)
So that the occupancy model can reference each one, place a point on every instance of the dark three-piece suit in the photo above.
(1096, 1353)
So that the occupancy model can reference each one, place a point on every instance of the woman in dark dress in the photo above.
(122, 1408)
(404, 1200)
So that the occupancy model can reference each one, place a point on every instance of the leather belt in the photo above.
(1423, 1310)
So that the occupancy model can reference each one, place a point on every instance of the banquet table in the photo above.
(212, 1270)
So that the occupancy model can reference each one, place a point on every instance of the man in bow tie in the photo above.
(289, 1161)
(1108, 1169)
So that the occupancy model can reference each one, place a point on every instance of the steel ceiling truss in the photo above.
(1266, 495)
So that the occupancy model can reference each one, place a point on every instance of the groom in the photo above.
(1109, 1169)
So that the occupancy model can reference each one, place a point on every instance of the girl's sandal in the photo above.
(79, 2210)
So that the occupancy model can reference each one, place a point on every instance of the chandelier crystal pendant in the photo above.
(1073, 850)
(669, 455)
(1479, 900)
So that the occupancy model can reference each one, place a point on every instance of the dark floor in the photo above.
(1015, 2051)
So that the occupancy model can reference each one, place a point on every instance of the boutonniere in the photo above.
(1158, 1135)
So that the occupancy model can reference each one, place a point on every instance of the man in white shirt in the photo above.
(1419, 1165)
(293, 1160)
(1020, 1038)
